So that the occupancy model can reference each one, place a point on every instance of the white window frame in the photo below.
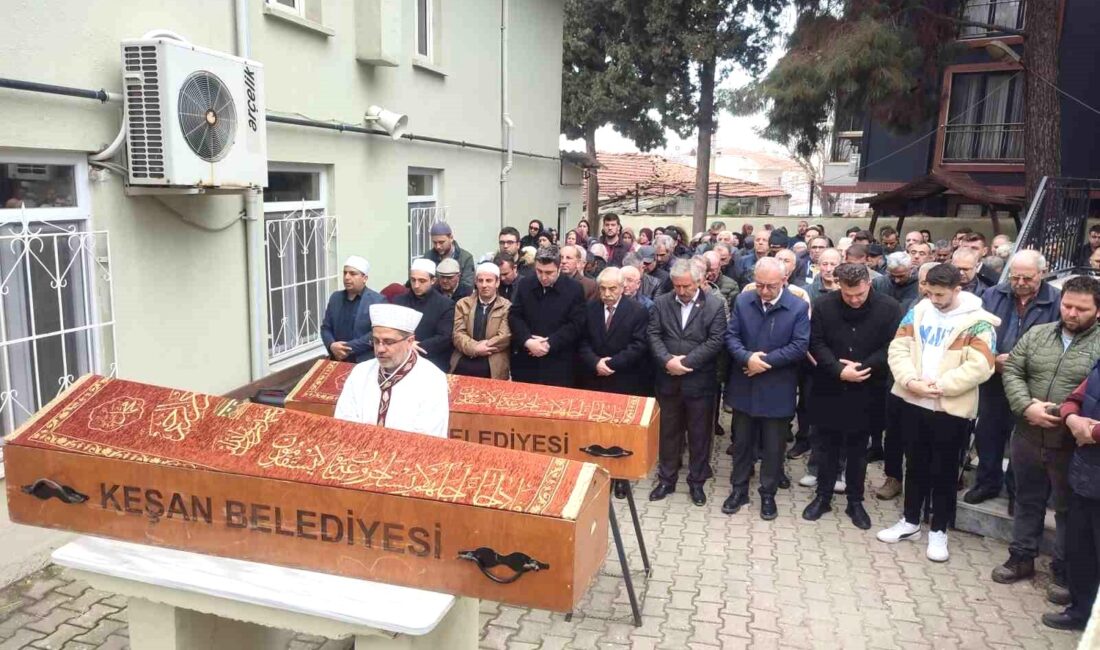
(435, 214)
(43, 228)
(298, 9)
(286, 358)
(429, 36)
(80, 212)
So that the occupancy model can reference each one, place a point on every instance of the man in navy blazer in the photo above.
(346, 327)
(767, 338)
(614, 349)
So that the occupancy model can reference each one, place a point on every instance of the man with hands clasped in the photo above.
(767, 338)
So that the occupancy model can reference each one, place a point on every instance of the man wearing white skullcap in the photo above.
(433, 335)
(345, 329)
(396, 389)
(481, 332)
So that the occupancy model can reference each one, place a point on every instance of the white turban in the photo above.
(488, 267)
(423, 264)
(358, 263)
(395, 317)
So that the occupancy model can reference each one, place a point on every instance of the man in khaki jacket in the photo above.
(942, 352)
(481, 332)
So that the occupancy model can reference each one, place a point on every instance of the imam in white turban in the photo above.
(395, 317)
(423, 264)
(358, 263)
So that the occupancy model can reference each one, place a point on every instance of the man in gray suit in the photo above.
(685, 335)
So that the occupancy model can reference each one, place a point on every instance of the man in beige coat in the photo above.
(481, 332)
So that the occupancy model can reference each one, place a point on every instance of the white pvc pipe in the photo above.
(164, 33)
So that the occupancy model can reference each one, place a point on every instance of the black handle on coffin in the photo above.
(607, 452)
(44, 489)
(486, 558)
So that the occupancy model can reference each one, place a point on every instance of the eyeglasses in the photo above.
(387, 343)
(1021, 278)
(770, 287)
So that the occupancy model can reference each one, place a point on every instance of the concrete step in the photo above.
(991, 519)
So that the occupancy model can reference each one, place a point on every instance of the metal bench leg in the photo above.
(637, 526)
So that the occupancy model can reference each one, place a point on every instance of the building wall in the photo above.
(1077, 58)
(181, 302)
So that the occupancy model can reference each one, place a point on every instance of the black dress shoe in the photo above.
(1063, 621)
(800, 447)
(816, 508)
(698, 497)
(784, 482)
(620, 489)
(735, 501)
(718, 430)
(858, 514)
(661, 491)
(874, 454)
(729, 450)
(980, 493)
(768, 511)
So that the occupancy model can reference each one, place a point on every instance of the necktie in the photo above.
(767, 307)
(607, 321)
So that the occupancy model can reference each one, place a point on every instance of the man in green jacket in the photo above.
(444, 246)
(1044, 367)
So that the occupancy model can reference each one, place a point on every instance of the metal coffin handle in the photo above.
(486, 558)
(607, 452)
(44, 489)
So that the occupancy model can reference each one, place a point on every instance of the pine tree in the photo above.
(602, 84)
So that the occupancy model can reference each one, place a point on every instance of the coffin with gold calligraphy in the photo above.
(214, 475)
(619, 432)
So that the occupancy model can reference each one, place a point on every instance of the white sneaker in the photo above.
(808, 480)
(840, 487)
(900, 531)
(937, 546)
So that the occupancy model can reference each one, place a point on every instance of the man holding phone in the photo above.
(850, 333)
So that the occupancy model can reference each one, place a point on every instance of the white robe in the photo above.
(418, 403)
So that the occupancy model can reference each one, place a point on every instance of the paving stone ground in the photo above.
(717, 582)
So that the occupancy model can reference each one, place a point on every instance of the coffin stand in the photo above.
(222, 477)
(618, 432)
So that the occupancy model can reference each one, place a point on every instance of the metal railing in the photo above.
(56, 313)
(1055, 224)
(984, 142)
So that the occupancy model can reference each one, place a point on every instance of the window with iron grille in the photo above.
(424, 209)
(300, 242)
(985, 118)
(56, 316)
(1002, 13)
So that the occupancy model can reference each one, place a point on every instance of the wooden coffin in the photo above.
(220, 476)
(619, 432)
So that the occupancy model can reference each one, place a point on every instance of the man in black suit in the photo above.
(547, 318)
(614, 351)
(436, 329)
(685, 336)
(615, 347)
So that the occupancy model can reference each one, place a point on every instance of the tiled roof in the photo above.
(653, 175)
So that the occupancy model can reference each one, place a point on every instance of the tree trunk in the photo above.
(592, 201)
(1043, 111)
(702, 149)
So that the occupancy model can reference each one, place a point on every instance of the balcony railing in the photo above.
(998, 143)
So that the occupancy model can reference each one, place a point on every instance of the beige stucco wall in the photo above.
(180, 292)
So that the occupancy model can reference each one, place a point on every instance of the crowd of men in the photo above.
(900, 349)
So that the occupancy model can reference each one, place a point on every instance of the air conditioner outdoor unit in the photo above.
(194, 117)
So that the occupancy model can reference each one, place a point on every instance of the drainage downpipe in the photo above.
(505, 116)
(254, 236)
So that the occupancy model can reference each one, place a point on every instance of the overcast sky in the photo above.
(732, 131)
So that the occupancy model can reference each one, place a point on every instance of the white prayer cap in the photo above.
(395, 317)
(423, 264)
(358, 263)
(488, 267)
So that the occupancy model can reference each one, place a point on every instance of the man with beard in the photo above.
(396, 389)
(546, 319)
(436, 328)
(850, 332)
(345, 329)
(1023, 302)
(1044, 367)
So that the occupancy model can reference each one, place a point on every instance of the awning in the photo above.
(939, 183)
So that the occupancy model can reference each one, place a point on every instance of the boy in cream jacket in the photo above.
(942, 352)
